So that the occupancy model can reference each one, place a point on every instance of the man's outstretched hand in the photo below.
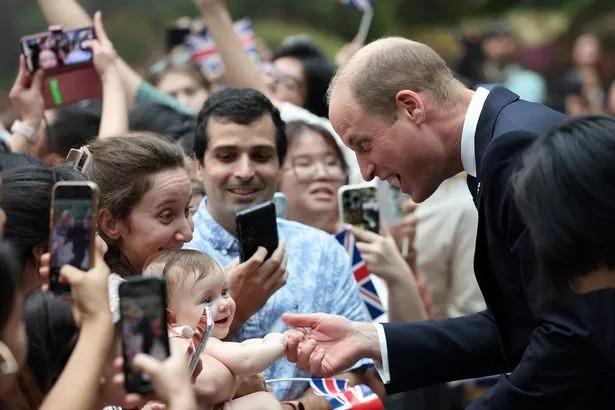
(326, 345)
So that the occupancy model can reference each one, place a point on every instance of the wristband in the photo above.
(21, 128)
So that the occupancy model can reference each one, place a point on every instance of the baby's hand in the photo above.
(275, 338)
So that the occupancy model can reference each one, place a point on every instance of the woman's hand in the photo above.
(381, 255)
(102, 48)
(26, 95)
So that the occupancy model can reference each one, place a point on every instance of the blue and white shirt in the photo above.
(320, 279)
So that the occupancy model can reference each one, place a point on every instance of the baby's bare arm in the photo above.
(215, 383)
(249, 357)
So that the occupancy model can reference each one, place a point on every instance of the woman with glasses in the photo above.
(313, 171)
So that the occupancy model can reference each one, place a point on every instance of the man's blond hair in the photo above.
(383, 68)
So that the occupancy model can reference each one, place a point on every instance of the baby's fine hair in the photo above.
(178, 265)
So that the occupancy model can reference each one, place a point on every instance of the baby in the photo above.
(193, 281)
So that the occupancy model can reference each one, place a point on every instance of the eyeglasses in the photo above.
(8, 364)
(282, 80)
(306, 167)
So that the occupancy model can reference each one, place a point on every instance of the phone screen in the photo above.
(360, 208)
(144, 327)
(71, 230)
(57, 49)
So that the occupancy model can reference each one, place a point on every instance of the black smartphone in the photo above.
(358, 206)
(57, 48)
(256, 227)
(72, 230)
(143, 318)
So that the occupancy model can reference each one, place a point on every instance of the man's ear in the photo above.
(109, 225)
(198, 168)
(410, 104)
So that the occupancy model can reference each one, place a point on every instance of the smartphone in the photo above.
(358, 206)
(56, 49)
(68, 68)
(143, 322)
(74, 207)
(256, 227)
(281, 204)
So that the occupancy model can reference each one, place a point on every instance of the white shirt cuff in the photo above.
(383, 367)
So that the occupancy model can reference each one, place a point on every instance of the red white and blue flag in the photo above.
(362, 275)
(341, 397)
(364, 5)
(328, 386)
(204, 53)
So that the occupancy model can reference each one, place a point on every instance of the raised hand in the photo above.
(26, 95)
(326, 344)
(252, 282)
(102, 48)
(381, 255)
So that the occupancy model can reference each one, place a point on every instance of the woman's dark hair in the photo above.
(73, 126)
(566, 194)
(318, 71)
(9, 282)
(241, 106)
(26, 198)
(295, 128)
(52, 335)
(189, 69)
(164, 120)
(123, 167)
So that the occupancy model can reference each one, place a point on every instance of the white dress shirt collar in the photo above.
(468, 133)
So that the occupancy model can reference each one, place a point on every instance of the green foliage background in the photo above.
(137, 26)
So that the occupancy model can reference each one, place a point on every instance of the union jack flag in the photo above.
(364, 5)
(204, 53)
(362, 275)
(340, 396)
(328, 387)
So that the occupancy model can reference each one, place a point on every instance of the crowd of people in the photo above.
(492, 289)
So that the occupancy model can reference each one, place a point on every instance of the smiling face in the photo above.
(240, 167)
(192, 293)
(160, 220)
(403, 150)
(312, 174)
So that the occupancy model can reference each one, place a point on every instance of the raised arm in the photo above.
(240, 71)
(114, 119)
(251, 356)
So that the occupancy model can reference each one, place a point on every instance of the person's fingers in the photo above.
(145, 363)
(293, 337)
(37, 80)
(71, 275)
(316, 361)
(256, 260)
(409, 206)
(364, 235)
(301, 320)
(118, 379)
(303, 358)
(366, 249)
(99, 27)
(118, 363)
(232, 264)
(101, 245)
(385, 231)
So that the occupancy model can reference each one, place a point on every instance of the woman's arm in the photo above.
(240, 70)
(78, 384)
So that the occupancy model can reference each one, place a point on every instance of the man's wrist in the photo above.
(368, 335)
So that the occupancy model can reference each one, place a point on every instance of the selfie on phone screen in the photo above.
(71, 233)
(359, 206)
(143, 310)
(57, 49)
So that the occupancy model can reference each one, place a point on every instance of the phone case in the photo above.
(358, 206)
(256, 227)
(72, 229)
(143, 323)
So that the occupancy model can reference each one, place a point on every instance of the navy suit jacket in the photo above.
(546, 343)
